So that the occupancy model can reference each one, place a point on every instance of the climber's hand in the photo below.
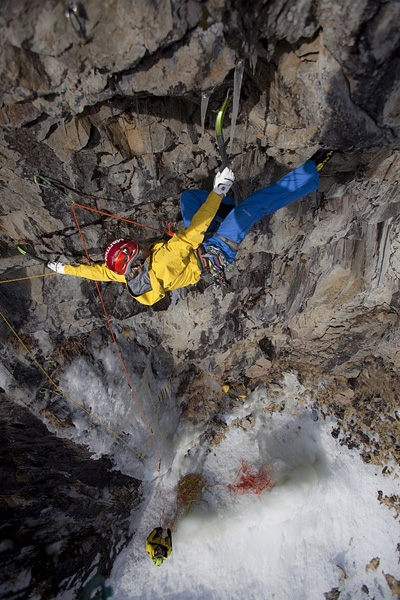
(223, 181)
(56, 266)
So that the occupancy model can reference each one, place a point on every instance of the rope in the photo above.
(123, 363)
(60, 391)
(74, 204)
(248, 481)
(48, 183)
(28, 277)
(106, 214)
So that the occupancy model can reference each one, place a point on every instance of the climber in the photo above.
(204, 243)
(158, 547)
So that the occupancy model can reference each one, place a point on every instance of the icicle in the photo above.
(253, 56)
(205, 97)
(237, 86)
(147, 380)
(164, 394)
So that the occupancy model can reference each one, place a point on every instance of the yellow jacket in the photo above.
(172, 264)
(155, 539)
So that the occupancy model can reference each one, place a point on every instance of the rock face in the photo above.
(108, 100)
(52, 508)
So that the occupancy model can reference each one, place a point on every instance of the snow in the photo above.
(317, 529)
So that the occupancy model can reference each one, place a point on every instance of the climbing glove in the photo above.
(56, 266)
(223, 181)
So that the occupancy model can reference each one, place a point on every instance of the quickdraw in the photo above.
(216, 265)
(77, 15)
(56, 187)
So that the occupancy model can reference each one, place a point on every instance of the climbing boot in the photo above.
(321, 157)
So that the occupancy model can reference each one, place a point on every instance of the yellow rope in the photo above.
(30, 277)
(59, 390)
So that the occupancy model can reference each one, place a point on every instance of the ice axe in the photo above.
(218, 130)
(31, 255)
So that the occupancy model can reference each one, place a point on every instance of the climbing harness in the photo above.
(203, 259)
(217, 263)
(232, 245)
(212, 261)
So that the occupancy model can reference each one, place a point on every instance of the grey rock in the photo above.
(114, 118)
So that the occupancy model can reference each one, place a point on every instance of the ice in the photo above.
(317, 529)
(253, 55)
(322, 518)
(237, 86)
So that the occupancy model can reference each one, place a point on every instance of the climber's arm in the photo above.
(96, 271)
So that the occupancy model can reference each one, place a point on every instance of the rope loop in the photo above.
(59, 189)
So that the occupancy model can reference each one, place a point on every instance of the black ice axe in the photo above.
(31, 255)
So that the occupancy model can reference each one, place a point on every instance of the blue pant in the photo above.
(235, 226)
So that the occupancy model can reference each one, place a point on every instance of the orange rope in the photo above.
(101, 212)
(28, 277)
(121, 358)
(248, 481)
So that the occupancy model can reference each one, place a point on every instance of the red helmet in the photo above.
(120, 254)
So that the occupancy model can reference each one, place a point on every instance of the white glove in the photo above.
(56, 266)
(223, 181)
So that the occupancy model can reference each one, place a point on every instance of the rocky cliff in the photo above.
(115, 102)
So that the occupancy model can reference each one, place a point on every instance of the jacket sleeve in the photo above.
(193, 234)
(100, 272)
(95, 272)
